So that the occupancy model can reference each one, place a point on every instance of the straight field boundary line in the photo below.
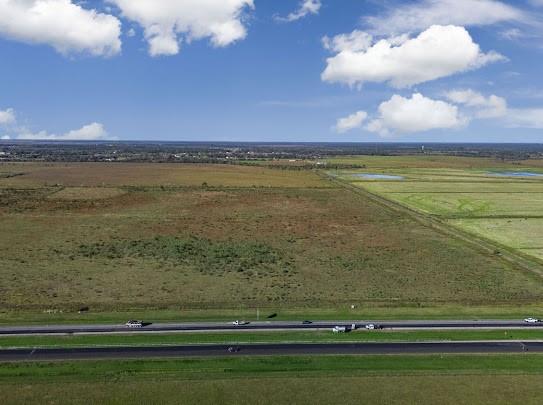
(512, 257)
(459, 192)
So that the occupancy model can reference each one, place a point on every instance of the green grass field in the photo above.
(294, 240)
(451, 204)
(523, 234)
(439, 187)
(425, 161)
(279, 380)
(504, 209)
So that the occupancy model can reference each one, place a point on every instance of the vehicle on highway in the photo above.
(233, 349)
(532, 320)
(306, 322)
(339, 329)
(370, 326)
(239, 323)
(134, 324)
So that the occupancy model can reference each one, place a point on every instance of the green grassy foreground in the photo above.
(273, 380)
(262, 337)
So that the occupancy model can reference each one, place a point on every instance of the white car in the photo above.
(239, 323)
(532, 320)
(339, 329)
(134, 324)
(370, 326)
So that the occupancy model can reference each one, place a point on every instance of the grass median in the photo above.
(146, 339)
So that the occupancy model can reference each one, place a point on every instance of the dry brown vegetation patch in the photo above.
(333, 247)
(149, 236)
(86, 193)
(145, 174)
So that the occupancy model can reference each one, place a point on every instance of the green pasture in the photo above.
(505, 209)
(420, 379)
(524, 234)
(451, 187)
(423, 161)
(451, 204)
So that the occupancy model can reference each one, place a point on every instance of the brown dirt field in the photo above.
(133, 174)
(86, 193)
(337, 247)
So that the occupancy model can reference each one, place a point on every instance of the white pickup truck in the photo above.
(134, 324)
(239, 323)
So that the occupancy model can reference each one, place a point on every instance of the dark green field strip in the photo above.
(460, 192)
(276, 381)
(459, 216)
(276, 365)
(461, 179)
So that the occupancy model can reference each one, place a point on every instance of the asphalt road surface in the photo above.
(268, 349)
(262, 326)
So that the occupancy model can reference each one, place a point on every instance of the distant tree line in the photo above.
(281, 156)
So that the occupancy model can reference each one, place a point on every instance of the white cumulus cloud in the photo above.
(91, 132)
(62, 24)
(356, 41)
(525, 118)
(7, 117)
(438, 52)
(168, 23)
(495, 107)
(5, 137)
(512, 34)
(419, 15)
(306, 7)
(485, 106)
(352, 121)
(416, 114)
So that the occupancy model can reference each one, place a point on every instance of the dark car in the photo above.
(306, 322)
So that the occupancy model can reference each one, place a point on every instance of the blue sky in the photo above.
(272, 70)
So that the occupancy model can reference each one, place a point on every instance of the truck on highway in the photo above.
(240, 323)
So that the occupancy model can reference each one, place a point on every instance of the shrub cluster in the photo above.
(203, 254)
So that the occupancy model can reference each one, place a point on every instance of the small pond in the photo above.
(517, 174)
(375, 176)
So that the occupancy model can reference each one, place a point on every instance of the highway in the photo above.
(263, 326)
(269, 349)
